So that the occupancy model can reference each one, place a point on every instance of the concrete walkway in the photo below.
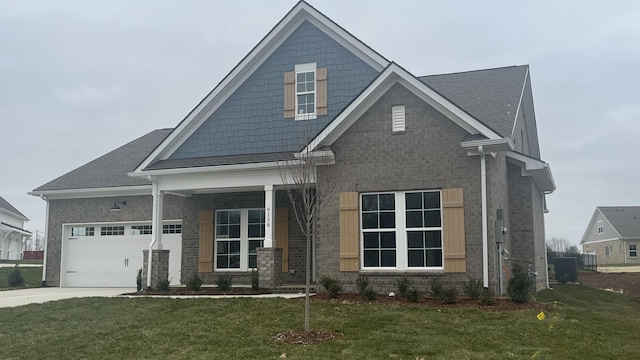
(10, 298)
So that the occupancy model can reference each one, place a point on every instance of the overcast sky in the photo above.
(81, 78)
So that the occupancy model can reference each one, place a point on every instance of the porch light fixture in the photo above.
(116, 205)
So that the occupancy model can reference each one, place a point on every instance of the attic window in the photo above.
(305, 92)
(600, 227)
(397, 118)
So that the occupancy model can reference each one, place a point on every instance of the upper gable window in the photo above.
(600, 227)
(305, 92)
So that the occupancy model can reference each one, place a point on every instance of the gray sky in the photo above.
(81, 78)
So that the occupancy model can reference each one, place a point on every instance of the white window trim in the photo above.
(244, 240)
(636, 250)
(305, 68)
(402, 257)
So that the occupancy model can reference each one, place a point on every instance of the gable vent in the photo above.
(397, 118)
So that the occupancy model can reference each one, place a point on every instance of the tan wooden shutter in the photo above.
(453, 231)
(282, 235)
(289, 94)
(321, 91)
(205, 254)
(349, 232)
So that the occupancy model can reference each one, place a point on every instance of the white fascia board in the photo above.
(301, 12)
(524, 85)
(9, 229)
(488, 146)
(205, 169)
(391, 75)
(601, 241)
(539, 170)
(14, 215)
(244, 180)
(94, 192)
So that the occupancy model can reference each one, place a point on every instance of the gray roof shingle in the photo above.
(491, 95)
(110, 170)
(625, 219)
(4, 204)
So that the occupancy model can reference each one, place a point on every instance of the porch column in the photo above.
(156, 233)
(269, 215)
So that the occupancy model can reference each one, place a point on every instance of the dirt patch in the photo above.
(627, 283)
(311, 337)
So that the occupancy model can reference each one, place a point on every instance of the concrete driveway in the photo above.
(10, 298)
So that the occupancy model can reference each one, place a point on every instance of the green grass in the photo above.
(587, 324)
(21, 262)
(32, 277)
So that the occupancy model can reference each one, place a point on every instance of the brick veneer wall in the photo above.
(91, 210)
(159, 268)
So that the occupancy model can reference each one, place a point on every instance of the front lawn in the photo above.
(32, 277)
(587, 324)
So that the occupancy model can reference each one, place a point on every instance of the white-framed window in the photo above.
(633, 250)
(172, 229)
(82, 231)
(141, 230)
(305, 91)
(238, 233)
(600, 227)
(111, 230)
(402, 230)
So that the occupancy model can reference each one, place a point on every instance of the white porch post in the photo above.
(156, 233)
(269, 214)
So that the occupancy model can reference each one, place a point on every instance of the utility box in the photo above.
(566, 269)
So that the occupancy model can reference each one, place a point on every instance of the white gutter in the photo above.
(485, 225)
(46, 241)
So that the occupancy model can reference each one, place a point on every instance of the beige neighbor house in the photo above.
(423, 166)
(613, 234)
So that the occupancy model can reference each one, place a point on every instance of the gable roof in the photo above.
(109, 170)
(300, 13)
(624, 219)
(7, 207)
(490, 95)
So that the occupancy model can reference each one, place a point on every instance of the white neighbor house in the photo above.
(12, 233)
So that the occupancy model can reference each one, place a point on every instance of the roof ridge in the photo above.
(474, 71)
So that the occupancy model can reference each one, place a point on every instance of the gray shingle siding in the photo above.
(252, 120)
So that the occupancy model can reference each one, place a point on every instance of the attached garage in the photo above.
(110, 254)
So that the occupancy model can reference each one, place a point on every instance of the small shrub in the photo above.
(450, 295)
(413, 294)
(473, 288)
(139, 280)
(15, 277)
(255, 280)
(403, 284)
(487, 298)
(369, 293)
(362, 284)
(519, 287)
(224, 282)
(436, 287)
(332, 286)
(163, 285)
(194, 283)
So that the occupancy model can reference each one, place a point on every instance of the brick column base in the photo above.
(269, 267)
(159, 268)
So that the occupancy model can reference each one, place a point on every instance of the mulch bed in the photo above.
(181, 291)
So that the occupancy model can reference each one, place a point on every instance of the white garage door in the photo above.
(109, 255)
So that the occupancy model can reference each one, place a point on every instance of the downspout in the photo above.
(485, 225)
(46, 241)
(156, 230)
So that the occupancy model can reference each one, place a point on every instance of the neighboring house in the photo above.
(613, 234)
(422, 165)
(12, 233)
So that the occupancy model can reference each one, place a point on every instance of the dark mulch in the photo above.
(202, 291)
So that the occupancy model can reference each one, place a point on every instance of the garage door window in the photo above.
(141, 230)
(111, 230)
(238, 234)
(172, 229)
(82, 231)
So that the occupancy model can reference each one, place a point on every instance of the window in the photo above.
(111, 230)
(82, 231)
(305, 91)
(172, 229)
(141, 230)
(633, 250)
(402, 230)
(238, 233)
(397, 118)
(600, 227)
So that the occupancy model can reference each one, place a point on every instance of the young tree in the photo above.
(310, 180)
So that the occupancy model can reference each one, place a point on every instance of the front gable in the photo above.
(599, 229)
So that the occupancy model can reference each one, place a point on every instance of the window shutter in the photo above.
(453, 231)
(289, 94)
(321, 91)
(205, 255)
(349, 232)
(282, 235)
(397, 118)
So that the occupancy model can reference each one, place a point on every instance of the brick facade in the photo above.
(159, 267)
